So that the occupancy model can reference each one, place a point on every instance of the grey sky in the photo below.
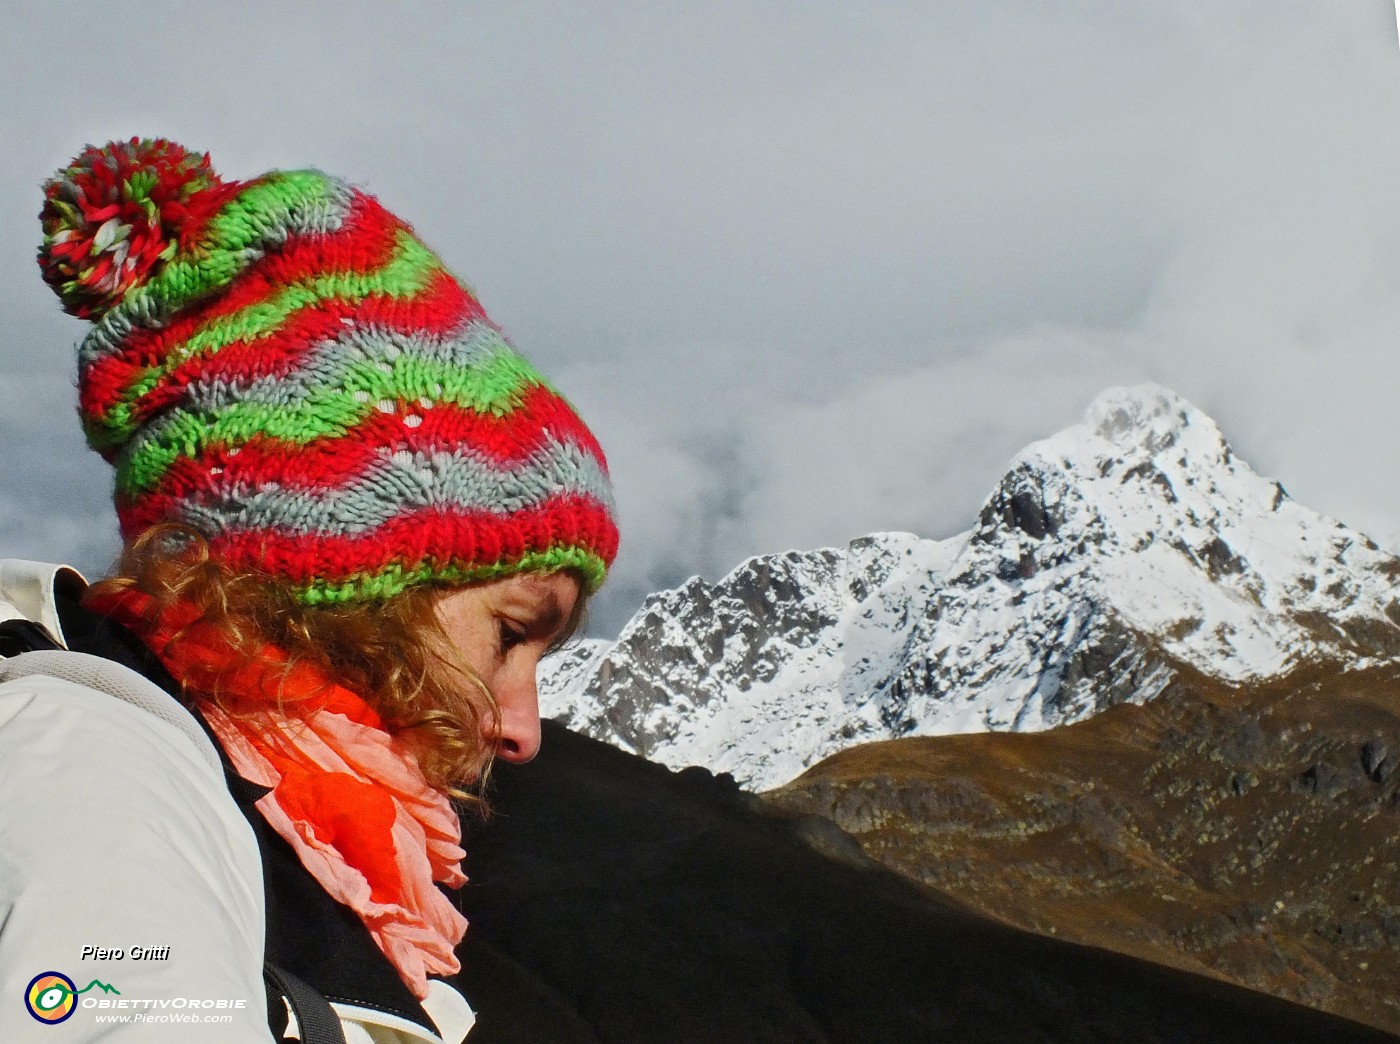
(809, 270)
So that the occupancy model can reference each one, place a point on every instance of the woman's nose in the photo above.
(518, 739)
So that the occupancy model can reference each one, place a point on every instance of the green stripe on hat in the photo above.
(406, 274)
(396, 578)
(323, 410)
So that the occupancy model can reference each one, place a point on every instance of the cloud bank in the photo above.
(807, 275)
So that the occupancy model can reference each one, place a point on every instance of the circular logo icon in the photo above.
(51, 996)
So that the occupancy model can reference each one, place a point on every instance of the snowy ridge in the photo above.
(1108, 553)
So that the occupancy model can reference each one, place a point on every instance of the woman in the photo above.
(354, 519)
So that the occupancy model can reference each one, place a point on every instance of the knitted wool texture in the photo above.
(283, 366)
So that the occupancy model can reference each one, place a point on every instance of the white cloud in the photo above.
(916, 450)
(806, 275)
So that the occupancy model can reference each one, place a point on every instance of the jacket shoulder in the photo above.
(31, 590)
(116, 831)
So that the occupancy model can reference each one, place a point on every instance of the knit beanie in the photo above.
(281, 365)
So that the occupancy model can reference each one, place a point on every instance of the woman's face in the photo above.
(503, 627)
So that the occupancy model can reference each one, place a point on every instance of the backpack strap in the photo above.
(317, 1022)
(21, 636)
(95, 672)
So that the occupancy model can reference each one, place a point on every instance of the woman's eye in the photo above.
(511, 636)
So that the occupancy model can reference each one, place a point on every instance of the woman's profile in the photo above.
(354, 518)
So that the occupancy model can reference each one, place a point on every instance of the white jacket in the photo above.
(125, 862)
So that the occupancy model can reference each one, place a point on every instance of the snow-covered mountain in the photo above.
(1108, 555)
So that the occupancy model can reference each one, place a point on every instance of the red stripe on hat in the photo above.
(440, 309)
(505, 441)
(431, 537)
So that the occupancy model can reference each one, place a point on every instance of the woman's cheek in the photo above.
(480, 650)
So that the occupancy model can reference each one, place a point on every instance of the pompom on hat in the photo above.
(281, 365)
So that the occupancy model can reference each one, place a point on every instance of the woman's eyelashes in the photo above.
(511, 635)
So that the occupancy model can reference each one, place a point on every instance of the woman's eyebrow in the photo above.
(545, 614)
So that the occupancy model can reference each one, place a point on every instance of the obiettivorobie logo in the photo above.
(52, 996)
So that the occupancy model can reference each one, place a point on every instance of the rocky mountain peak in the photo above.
(1148, 419)
(1107, 554)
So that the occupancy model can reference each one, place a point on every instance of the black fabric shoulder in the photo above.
(22, 636)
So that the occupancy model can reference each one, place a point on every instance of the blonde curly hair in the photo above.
(394, 654)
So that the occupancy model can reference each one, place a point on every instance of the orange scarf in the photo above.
(346, 795)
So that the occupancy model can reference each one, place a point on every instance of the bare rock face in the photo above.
(1247, 832)
(1108, 557)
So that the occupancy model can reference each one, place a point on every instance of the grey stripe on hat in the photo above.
(400, 482)
(325, 365)
(320, 379)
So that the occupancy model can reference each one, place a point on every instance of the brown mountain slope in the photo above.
(1251, 834)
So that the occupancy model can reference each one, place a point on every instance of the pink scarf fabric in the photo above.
(346, 795)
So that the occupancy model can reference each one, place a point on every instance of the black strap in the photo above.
(317, 1021)
(22, 636)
